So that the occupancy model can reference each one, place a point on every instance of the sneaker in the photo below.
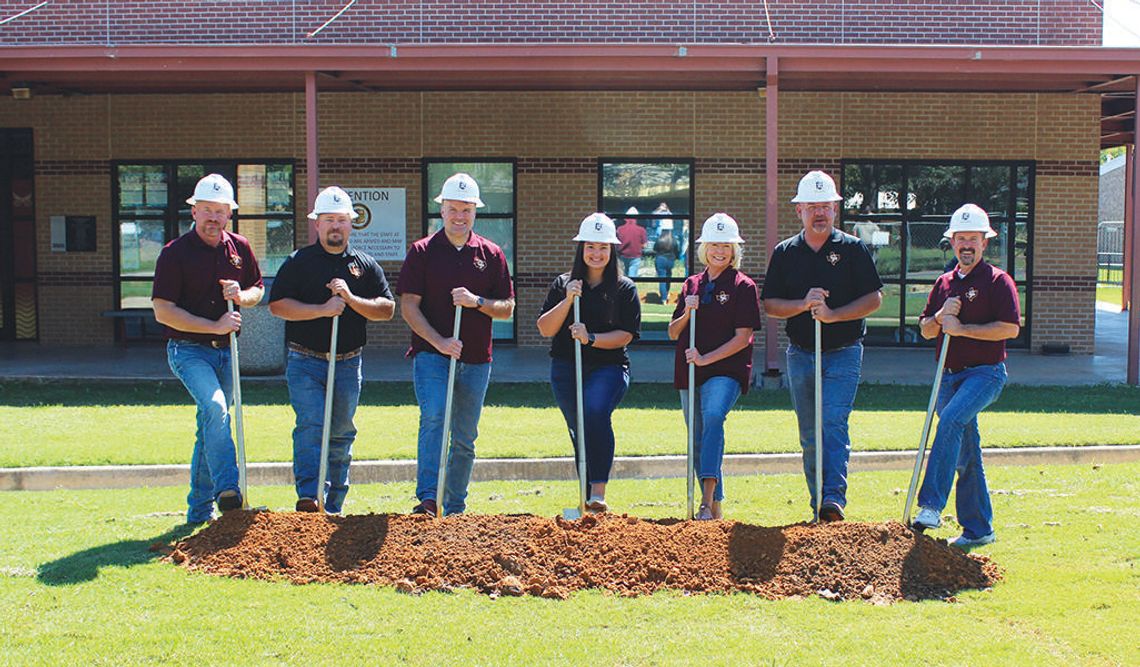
(597, 504)
(830, 512)
(229, 501)
(968, 544)
(427, 507)
(928, 518)
(307, 505)
(704, 514)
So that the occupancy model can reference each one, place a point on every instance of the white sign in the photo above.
(380, 228)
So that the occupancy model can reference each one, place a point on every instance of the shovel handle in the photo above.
(818, 426)
(921, 455)
(690, 473)
(239, 426)
(580, 426)
(326, 426)
(444, 447)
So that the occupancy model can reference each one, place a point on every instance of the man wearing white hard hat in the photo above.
(633, 238)
(452, 267)
(727, 303)
(317, 283)
(610, 320)
(824, 275)
(194, 277)
(976, 304)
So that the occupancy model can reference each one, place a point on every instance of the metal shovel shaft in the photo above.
(580, 426)
(444, 447)
(326, 426)
(926, 429)
(239, 427)
(692, 416)
(818, 418)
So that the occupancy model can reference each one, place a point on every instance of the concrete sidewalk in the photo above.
(648, 363)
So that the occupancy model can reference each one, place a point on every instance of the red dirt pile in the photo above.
(532, 555)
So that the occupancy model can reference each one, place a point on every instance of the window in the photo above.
(151, 210)
(495, 221)
(651, 201)
(900, 209)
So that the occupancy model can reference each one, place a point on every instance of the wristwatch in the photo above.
(590, 340)
(479, 302)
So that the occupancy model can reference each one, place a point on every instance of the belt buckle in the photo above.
(216, 344)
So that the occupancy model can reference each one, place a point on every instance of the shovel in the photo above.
(818, 420)
(918, 459)
(572, 513)
(692, 407)
(239, 428)
(445, 446)
(326, 428)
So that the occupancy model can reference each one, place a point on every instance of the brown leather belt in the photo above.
(216, 344)
(301, 349)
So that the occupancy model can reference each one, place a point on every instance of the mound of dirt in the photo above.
(532, 555)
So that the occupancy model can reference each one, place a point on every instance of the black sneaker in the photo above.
(426, 507)
(229, 501)
(307, 505)
(830, 512)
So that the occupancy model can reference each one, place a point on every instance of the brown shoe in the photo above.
(426, 507)
(229, 501)
(307, 505)
(830, 513)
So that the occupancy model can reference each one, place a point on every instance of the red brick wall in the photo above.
(121, 22)
(378, 140)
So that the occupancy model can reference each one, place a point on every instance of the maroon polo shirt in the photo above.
(434, 267)
(988, 294)
(188, 271)
(633, 237)
(733, 302)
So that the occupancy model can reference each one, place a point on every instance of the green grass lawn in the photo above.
(80, 587)
(1113, 294)
(100, 424)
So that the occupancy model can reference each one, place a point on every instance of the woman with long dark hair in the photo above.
(728, 307)
(611, 320)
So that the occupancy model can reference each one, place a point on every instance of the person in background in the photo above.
(633, 239)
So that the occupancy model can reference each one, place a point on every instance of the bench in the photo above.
(148, 328)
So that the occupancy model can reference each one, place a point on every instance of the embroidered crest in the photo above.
(971, 293)
(722, 298)
(480, 263)
(833, 258)
(355, 270)
(236, 261)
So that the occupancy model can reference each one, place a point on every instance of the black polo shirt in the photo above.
(602, 310)
(187, 274)
(304, 277)
(843, 266)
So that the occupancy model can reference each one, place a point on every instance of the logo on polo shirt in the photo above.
(480, 263)
(971, 293)
(722, 297)
(355, 269)
(236, 261)
(833, 258)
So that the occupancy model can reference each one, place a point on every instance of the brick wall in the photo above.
(124, 22)
(378, 140)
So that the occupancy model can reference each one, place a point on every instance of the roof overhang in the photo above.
(697, 67)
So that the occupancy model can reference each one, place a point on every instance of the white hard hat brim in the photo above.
(815, 200)
(194, 202)
(949, 233)
(735, 239)
(475, 200)
(316, 214)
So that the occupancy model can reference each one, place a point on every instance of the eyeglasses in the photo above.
(707, 292)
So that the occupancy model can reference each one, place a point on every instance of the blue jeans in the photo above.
(631, 265)
(206, 374)
(664, 266)
(958, 446)
(602, 391)
(307, 377)
(715, 397)
(429, 377)
(841, 370)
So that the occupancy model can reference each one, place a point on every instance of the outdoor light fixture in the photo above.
(21, 93)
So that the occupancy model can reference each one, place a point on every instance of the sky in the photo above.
(1121, 22)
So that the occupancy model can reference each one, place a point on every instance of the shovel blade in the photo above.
(571, 514)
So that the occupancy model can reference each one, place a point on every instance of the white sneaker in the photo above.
(968, 544)
(704, 514)
(597, 504)
(927, 519)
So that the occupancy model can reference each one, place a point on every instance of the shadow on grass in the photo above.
(84, 565)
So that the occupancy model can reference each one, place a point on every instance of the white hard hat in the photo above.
(632, 210)
(970, 218)
(720, 228)
(213, 188)
(460, 187)
(333, 200)
(597, 228)
(816, 187)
